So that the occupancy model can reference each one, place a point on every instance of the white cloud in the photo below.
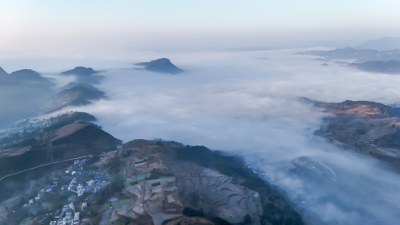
(242, 103)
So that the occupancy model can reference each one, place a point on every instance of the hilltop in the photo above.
(162, 65)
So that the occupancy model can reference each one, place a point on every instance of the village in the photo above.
(104, 188)
(74, 187)
(67, 197)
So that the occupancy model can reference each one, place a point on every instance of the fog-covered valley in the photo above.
(247, 103)
(199, 112)
(254, 104)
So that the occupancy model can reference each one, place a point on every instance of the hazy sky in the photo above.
(76, 26)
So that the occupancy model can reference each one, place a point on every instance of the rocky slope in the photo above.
(166, 181)
(369, 127)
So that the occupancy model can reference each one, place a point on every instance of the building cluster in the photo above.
(48, 189)
(82, 182)
(80, 186)
(68, 216)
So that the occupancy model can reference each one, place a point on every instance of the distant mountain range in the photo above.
(162, 65)
(382, 49)
(374, 61)
(387, 67)
(384, 43)
(357, 54)
(21, 85)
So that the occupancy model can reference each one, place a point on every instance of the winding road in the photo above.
(41, 166)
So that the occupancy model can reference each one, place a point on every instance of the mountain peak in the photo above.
(161, 65)
(80, 71)
(27, 75)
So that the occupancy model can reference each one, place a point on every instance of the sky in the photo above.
(55, 27)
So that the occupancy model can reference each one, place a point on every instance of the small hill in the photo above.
(162, 65)
(80, 71)
(360, 109)
(84, 75)
(75, 94)
(23, 76)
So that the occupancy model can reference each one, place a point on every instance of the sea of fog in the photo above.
(247, 103)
